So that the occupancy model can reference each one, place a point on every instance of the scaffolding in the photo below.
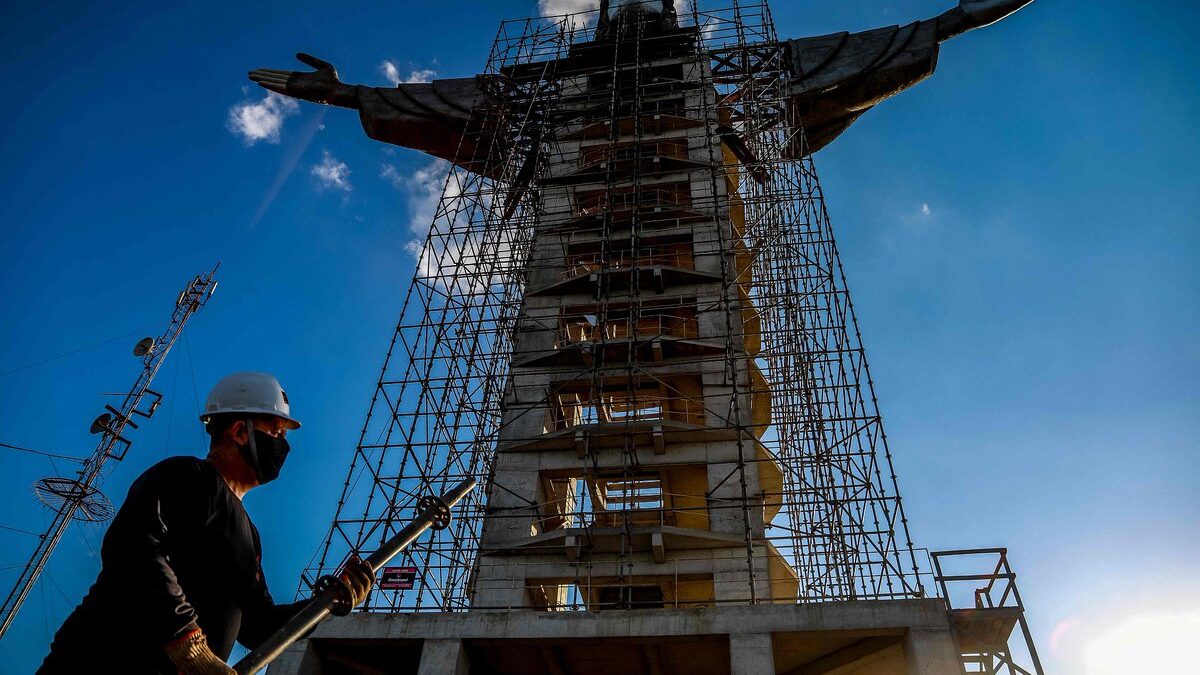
(634, 229)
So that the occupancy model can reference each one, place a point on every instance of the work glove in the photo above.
(191, 655)
(352, 584)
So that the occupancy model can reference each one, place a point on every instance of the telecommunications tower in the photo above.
(78, 497)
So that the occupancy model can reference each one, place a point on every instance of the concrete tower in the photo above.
(629, 470)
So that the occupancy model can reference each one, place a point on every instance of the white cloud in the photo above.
(261, 121)
(423, 76)
(332, 173)
(424, 188)
(711, 27)
(456, 257)
(391, 72)
(415, 76)
(554, 9)
(557, 7)
(925, 210)
(389, 173)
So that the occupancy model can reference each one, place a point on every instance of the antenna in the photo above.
(79, 497)
(144, 346)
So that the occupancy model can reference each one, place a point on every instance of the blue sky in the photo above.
(1019, 232)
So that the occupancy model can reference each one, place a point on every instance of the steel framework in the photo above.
(438, 413)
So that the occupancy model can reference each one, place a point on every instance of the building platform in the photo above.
(900, 637)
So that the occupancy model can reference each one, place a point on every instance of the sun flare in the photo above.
(1148, 645)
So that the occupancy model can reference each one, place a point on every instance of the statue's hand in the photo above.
(972, 14)
(320, 86)
(990, 11)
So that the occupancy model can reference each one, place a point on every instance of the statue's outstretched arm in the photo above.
(427, 116)
(836, 78)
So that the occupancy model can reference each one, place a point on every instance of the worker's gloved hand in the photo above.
(191, 655)
(353, 583)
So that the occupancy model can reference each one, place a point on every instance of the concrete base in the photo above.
(864, 638)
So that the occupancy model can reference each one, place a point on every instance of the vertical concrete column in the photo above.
(731, 575)
(444, 657)
(514, 488)
(750, 654)
(931, 652)
(499, 584)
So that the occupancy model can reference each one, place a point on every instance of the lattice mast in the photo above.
(650, 268)
(79, 498)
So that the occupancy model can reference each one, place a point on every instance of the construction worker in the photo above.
(181, 578)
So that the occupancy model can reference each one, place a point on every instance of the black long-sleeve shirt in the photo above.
(181, 553)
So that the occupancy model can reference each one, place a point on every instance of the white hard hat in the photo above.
(256, 393)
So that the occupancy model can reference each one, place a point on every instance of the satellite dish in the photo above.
(101, 423)
(144, 346)
(87, 503)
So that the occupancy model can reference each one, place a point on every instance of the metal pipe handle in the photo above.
(434, 512)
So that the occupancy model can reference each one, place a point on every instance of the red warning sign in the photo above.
(398, 578)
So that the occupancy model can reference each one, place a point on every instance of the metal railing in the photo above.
(674, 148)
(646, 198)
(648, 256)
(986, 593)
(657, 325)
(650, 407)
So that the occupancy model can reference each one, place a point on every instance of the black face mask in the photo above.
(264, 453)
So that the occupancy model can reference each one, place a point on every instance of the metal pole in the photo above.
(1037, 661)
(435, 512)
